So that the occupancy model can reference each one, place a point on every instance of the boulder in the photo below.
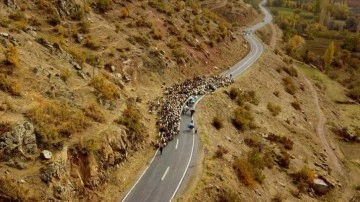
(320, 186)
(46, 154)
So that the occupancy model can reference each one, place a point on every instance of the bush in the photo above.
(277, 198)
(283, 160)
(131, 118)
(107, 89)
(17, 16)
(220, 151)
(269, 159)
(253, 142)
(289, 85)
(92, 44)
(304, 178)
(234, 92)
(140, 39)
(354, 93)
(217, 123)
(54, 120)
(276, 93)
(95, 113)
(243, 119)
(12, 58)
(84, 27)
(296, 105)
(103, 5)
(227, 196)
(274, 109)
(9, 86)
(79, 14)
(291, 71)
(244, 173)
(286, 142)
(65, 74)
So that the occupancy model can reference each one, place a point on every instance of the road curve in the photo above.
(166, 174)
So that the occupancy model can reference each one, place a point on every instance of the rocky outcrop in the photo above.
(20, 142)
(67, 7)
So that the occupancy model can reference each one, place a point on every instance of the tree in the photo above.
(329, 55)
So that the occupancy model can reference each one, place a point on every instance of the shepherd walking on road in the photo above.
(161, 147)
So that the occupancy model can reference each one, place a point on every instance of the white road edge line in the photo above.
(166, 171)
(140, 176)
(187, 167)
(177, 143)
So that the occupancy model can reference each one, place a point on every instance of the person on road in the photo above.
(191, 125)
(161, 147)
(192, 111)
(186, 108)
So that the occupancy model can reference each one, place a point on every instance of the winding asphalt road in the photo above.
(167, 174)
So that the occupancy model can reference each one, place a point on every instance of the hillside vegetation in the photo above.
(76, 78)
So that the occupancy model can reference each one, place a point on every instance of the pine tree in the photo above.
(329, 55)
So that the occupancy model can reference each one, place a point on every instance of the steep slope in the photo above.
(76, 77)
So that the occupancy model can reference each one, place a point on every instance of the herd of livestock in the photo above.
(177, 97)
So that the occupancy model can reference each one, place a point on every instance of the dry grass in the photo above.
(291, 71)
(65, 74)
(220, 151)
(243, 119)
(106, 88)
(274, 109)
(286, 142)
(303, 179)
(243, 170)
(10, 86)
(289, 85)
(131, 119)
(54, 120)
(11, 59)
(94, 112)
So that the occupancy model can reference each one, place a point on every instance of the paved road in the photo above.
(167, 174)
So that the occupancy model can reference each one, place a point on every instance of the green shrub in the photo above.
(274, 109)
(107, 89)
(217, 123)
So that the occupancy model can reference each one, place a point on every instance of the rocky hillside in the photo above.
(76, 78)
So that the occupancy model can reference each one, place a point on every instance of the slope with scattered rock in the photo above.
(79, 75)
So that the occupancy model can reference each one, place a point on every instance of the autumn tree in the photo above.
(329, 55)
(294, 42)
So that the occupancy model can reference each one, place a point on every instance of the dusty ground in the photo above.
(308, 129)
